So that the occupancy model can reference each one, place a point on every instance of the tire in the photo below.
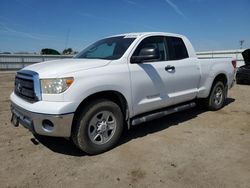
(217, 96)
(98, 127)
(238, 81)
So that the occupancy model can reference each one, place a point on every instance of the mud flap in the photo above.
(14, 120)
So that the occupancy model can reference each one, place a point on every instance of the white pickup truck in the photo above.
(115, 83)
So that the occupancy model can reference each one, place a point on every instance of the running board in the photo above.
(159, 114)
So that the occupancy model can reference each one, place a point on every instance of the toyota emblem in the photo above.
(19, 87)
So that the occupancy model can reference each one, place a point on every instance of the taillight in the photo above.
(234, 63)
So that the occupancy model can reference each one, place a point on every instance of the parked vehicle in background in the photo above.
(243, 72)
(115, 83)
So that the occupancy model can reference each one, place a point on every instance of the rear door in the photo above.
(186, 71)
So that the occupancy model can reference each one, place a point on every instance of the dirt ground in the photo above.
(194, 148)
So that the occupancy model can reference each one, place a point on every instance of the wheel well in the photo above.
(114, 96)
(221, 77)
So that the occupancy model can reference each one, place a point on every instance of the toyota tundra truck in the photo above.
(115, 83)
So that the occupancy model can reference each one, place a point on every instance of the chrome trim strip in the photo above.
(37, 86)
(35, 77)
(24, 77)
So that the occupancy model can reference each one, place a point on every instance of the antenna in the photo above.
(67, 38)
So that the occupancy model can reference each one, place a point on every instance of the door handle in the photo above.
(169, 68)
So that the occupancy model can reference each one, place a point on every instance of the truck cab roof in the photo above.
(142, 34)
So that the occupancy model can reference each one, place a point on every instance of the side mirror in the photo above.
(146, 54)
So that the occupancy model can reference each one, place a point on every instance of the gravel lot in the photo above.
(194, 148)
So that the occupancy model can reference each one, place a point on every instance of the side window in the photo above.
(155, 41)
(176, 48)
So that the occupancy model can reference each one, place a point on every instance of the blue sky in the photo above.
(30, 25)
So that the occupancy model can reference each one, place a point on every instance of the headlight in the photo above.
(55, 85)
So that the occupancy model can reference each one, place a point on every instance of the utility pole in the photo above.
(241, 43)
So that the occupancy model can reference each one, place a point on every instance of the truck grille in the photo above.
(25, 86)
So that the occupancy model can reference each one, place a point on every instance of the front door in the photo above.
(151, 84)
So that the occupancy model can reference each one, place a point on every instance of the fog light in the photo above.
(47, 125)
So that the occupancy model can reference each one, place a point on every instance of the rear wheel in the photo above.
(217, 96)
(99, 127)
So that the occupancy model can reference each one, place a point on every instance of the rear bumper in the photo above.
(43, 124)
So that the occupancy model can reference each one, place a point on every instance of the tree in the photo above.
(67, 51)
(48, 51)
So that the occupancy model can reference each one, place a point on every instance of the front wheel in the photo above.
(99, 127)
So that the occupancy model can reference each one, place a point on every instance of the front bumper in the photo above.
(43, 124)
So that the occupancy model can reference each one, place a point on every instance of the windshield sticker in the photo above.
(130, 36)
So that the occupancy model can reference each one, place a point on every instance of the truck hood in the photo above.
(55, 68)
(246, 56)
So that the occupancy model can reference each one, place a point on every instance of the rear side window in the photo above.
(176, 48)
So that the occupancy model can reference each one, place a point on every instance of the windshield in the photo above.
(109, 48)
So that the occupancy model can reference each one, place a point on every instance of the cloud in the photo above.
(9, 30)
(175, 8)
(111, 21)
(130, 2)
(197, 1)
